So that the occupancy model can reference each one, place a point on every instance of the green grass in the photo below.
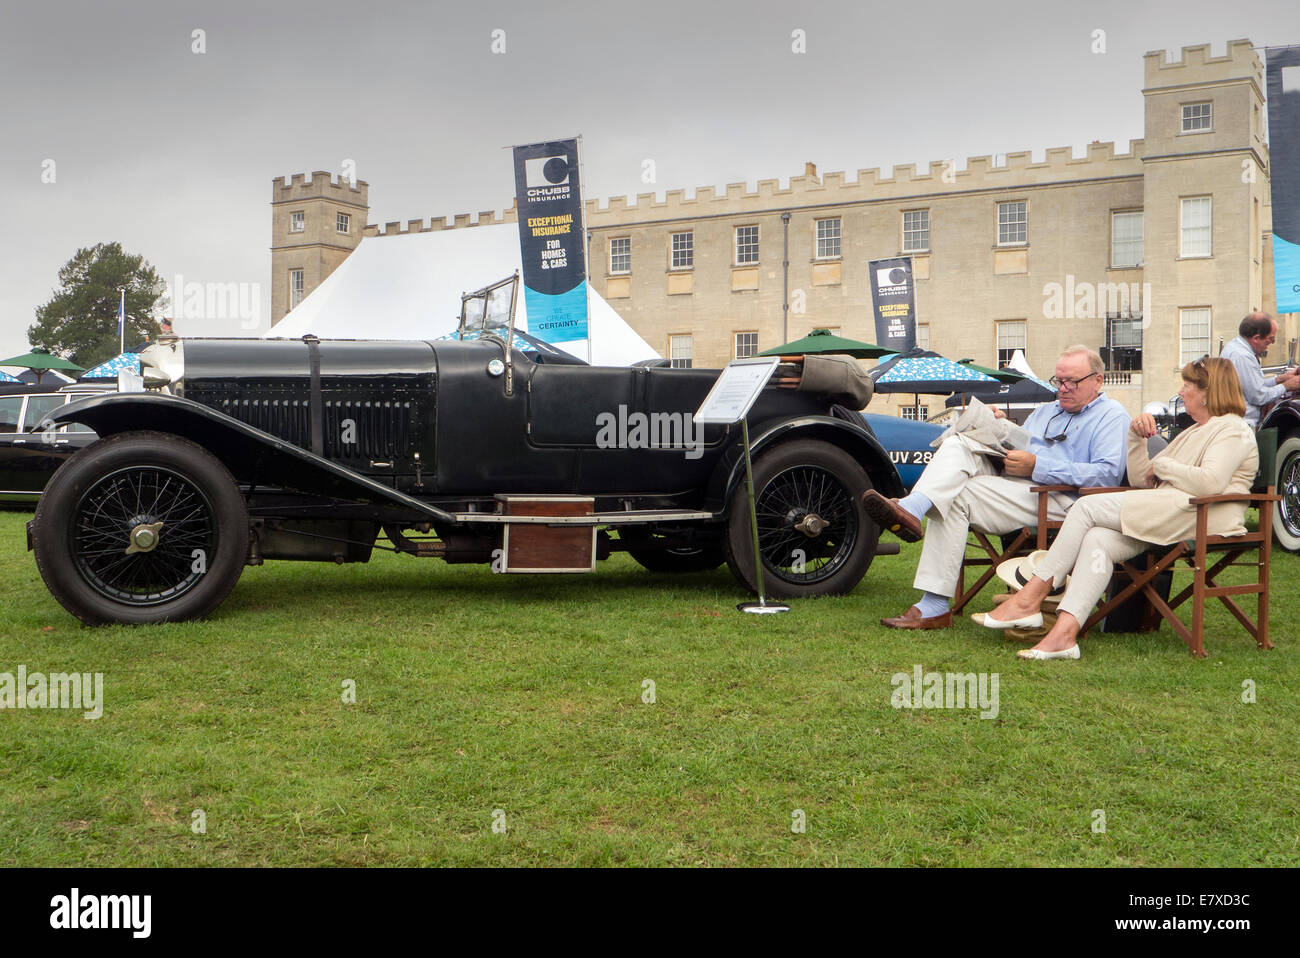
(478, 692)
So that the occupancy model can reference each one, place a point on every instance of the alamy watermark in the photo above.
(194, 300)
(946, 690)
(1084, 300)
(57, 690)
(127, 912)
(656, 430)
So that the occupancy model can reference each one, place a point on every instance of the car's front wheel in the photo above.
(1286, 513)
(813, 534)
(141, 527)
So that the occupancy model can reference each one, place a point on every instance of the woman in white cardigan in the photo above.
(1216, 455)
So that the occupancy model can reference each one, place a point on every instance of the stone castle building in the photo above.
(1154, 253)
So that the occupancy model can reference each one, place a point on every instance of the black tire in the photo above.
(694, 558)
(98, 500)
(792, 481)
(1286, 513)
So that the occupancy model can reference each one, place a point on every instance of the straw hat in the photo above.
(1017, 572)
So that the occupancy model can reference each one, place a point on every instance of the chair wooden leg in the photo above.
(1198, 593)
(994, 558)
(1265, 555)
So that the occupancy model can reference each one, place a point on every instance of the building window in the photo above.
(1126, 239)
(917, 413)
(746, 245)
(916, 231)
(923, 335)
(828, 238)
(1123, 351)
(620, 254)
(295, 287)
(1013, 219)
(1197, 117)
(746, 344)
(1193, 333)
(683, 251)
(297, 221)
(1012, 334)
(342, 222)
(1196, 223)
(679, 351)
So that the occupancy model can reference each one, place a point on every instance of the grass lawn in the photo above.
(478, 692)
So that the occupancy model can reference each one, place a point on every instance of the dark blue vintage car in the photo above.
(240, 451)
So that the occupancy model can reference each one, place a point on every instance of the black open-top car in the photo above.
(240, 451)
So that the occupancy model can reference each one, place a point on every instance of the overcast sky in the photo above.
(172, 152)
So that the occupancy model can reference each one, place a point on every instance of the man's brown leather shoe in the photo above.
(911, 619)
(892, 517)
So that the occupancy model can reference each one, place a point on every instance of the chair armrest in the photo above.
(1055, 488)
(1098, 490)
(1235, 497)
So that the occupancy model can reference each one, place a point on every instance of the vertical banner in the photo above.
(552, 240)
(894, 299)
(1283, 86)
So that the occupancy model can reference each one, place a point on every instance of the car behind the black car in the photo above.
(32, 447)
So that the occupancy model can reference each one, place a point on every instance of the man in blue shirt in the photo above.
(1257, 332)
(1078, 440)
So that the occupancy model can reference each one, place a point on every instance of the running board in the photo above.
(623, 518)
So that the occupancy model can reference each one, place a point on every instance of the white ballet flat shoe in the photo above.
(1034, 621)
(1071, 653)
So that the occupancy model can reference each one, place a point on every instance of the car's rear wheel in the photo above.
(1286, 513)
(814, 536)
(141, 527)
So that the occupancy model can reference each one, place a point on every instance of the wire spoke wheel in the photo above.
(141, 527)
(814, 538)
(148, 504)
(1285, 513)
(789, 508)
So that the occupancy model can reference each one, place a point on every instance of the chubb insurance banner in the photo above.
(551, 240)
(894, 298)
(1284, 158)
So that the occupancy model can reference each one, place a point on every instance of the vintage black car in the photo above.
(241, 451)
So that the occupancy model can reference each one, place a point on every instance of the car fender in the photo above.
(1285, 417)
(855, 440)
(251, 455)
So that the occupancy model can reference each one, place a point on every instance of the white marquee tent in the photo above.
(409, 287)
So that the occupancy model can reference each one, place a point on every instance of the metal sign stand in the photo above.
(761, 607)
(729, 401)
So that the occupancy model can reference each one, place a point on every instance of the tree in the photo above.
(79, 322)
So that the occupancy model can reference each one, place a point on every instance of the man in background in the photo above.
(1257, 332)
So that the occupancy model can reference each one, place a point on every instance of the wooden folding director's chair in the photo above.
(1010, 546)
(1142, 570)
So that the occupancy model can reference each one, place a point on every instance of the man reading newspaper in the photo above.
(984, 469)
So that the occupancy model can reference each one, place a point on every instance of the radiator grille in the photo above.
(354, 429)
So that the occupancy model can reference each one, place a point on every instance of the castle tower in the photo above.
(1205, 189)
(315, 224)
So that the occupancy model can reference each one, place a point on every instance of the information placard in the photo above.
(736, 390)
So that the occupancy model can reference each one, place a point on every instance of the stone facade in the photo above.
(1056, 287)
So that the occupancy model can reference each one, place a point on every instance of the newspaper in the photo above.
(992, 436)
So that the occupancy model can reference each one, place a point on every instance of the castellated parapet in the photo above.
(1196, 65)
(436, 224)
(1017, 171)
(321, 185)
